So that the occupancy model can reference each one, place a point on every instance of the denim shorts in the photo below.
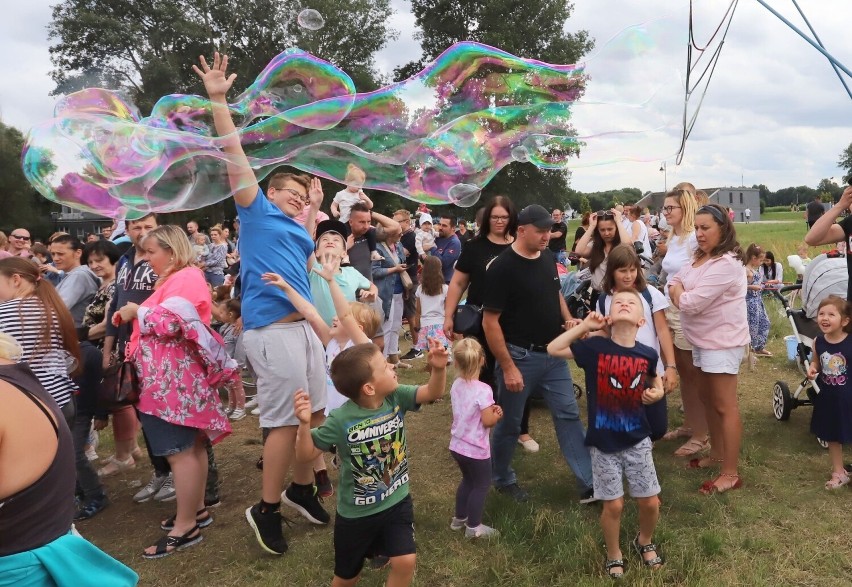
(166, 439)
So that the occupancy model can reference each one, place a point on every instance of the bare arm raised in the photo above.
(217, 83)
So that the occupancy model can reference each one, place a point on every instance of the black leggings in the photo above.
(474, 486)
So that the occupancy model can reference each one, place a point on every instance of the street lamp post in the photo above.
(665, 177)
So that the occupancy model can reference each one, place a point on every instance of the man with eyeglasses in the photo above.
(285, 353)
(19, 243)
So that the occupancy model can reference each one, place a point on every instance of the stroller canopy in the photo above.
(824, 276)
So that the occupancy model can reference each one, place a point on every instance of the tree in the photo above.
(146, 47)
(845, 161)
(22, 204)
(534, 29)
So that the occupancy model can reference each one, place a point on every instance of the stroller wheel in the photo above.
(578, 391)
(821, 442)
(782, 402)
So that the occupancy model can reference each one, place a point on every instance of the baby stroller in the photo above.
(825, 275)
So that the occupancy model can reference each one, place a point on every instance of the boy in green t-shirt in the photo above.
(374, 511)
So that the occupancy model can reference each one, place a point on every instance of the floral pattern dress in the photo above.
(97, 309)
(758, 320)
(181, 361)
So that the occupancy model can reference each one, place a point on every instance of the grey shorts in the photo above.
(635, 463)
(285, 358)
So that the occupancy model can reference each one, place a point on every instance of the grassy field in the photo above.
(782, 528)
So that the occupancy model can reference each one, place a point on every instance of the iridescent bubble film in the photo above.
(438, 137)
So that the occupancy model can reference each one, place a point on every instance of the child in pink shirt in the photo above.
(474, 411)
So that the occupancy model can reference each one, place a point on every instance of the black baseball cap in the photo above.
(331, 225)
(535, 215)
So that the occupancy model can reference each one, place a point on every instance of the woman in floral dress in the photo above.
(181, 364)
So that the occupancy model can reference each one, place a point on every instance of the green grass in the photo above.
(782, 528)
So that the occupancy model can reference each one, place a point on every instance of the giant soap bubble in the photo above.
(438, 137)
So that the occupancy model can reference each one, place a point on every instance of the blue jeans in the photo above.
(551, 376)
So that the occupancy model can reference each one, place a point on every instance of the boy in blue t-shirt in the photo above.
(375, 516)
(620, 377)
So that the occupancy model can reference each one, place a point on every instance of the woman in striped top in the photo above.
(33, 314)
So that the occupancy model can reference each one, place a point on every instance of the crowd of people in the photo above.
(154, 325)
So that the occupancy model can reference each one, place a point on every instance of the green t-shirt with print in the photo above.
(371, 446)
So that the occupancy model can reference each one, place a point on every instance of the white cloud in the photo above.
(775, 112)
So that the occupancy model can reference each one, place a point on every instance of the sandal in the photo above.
(114, 466)
(696, 463)
(176, 543)
(609, 565)
(710, 487)
(693, 447)
(202, 522)
(679, 432)
(652, 563)
(837, 481)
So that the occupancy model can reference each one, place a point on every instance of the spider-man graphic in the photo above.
(621, 381)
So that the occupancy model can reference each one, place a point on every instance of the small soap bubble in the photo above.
(464, 195)
(521, 154)
(310, 19)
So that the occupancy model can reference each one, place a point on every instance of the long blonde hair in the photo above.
(688, 205)
(173, 239)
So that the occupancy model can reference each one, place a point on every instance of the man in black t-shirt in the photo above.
(826, 231)
(815, 211)
(557, 236)
(523, 311)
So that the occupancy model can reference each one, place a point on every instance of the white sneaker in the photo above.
(481, 531)
(237, 414)
(255, 412)
(457, 523)
(150, 490)
(251, 404)
(167, 490)
(529, 445)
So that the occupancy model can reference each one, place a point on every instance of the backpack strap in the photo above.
(645, 294)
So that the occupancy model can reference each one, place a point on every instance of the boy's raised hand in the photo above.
(595, 321)
(216, 81)
(438, 355)
(274, 279)
(315, 192)
(303, 407)
(330, 265)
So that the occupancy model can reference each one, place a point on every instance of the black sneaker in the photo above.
(588, 496)
(306, 504)
(212, 501)
(91, 508)
(514, 491)
(267, 530)
(412, 354)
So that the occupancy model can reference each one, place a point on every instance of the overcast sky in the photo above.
(775, 112)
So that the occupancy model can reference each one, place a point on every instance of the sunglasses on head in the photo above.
(605, 214)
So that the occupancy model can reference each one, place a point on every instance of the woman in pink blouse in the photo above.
(181, 363)
(710, 293)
